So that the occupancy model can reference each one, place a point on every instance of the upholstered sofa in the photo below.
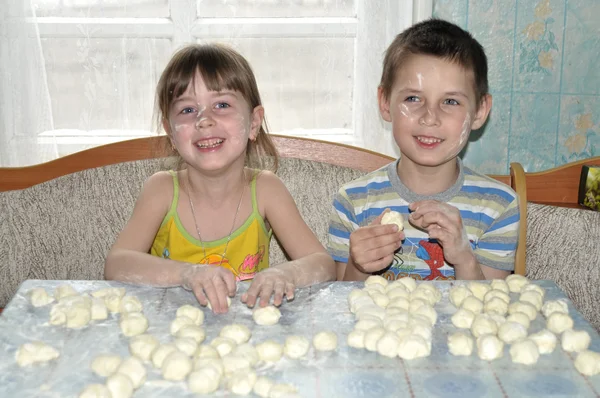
(62, 228)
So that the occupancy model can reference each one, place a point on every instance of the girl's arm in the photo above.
(129, 259)
(310, 261)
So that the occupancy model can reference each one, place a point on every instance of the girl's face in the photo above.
(211, 129)
(432, 108)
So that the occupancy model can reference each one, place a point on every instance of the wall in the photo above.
(544, 61)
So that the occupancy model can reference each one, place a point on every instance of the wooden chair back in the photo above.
(288, 147)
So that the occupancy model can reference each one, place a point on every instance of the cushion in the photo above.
(562, 246)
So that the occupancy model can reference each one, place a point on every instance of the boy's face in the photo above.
(432, 107)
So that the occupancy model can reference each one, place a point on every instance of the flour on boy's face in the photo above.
(432, 108)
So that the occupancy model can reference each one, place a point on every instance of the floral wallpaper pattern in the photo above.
(544, 78)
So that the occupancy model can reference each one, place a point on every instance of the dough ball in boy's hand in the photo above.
(393, 217)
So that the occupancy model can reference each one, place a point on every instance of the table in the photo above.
(347, 373)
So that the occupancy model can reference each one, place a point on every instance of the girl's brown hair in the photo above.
(221, 68)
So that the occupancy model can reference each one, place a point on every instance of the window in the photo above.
(317, 62)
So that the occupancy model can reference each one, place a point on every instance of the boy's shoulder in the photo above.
(372, 179)
(486, 185)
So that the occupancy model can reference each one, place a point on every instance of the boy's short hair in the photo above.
(441, 39)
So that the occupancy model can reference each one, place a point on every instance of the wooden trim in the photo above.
(519, 185)
(157, 147)
(558, 186)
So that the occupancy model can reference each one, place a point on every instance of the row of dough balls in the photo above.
(394, 319)
(493, 320)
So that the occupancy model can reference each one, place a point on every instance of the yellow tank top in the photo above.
(247, 252)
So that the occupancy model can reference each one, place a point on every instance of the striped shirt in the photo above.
(489, 211)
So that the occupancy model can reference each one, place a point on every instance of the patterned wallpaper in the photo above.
(544, 61)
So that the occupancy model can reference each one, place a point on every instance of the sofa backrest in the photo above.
(63, 228)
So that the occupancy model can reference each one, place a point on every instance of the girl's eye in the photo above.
(451, 101)
(188, 110)
(222, 105)
(412, 98)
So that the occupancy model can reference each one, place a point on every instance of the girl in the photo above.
(208, 224)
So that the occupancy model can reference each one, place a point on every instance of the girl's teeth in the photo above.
(209, 144)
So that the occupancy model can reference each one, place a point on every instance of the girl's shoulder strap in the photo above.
(173, 208)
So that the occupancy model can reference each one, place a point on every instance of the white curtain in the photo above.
(25, 108)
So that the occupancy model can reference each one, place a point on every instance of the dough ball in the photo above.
(236, 332)
(355, 294)
(463, 318)
(460, 344)
(179, 322)
(526, 308)
(531, 287)
(401, 302)
(428, 312)
(499, 319)
(63, 291)
(109, 291)
(119, 385)
(509, 332)
(366, 324)
(95, 391)
(380, 299)
(142, 346)
(393, 217)
(58, 316)
(516, 282)
(408, 282)
(269, 351)
(392, 325)
(588, 363)
(492, 294)
(369, 312)
(160, 353)
(325, 341)
(176, 366)
(472, 304)
(483, 324)
(106, 364)
(374, 288)
(35, 352)
(525, 352)
(552, 306)
(372, 336)
(398, 291)
(519, 317)
(545, 340)
(134, 369)
(489, 347)
(559, 322)
(499, 284)
(130, 304)
(223, 345)
(241, 383)
(416, 303)
(281, 390)
(194, 313)
(187, 345)
(479, 289)
(533, 298)
(497, 306)
(296, 346)
(458, 294)
(215, 363)
(266, 316)
(77, 316)
(356, 339)
(263, 386)
(393, 285)
(38, 297)
(133, 323)
(208, 351)
(420, 328)
(387, 345)
(204, 381)
(432, 293)
(575, 340)
(376, 280)
(113, 302)
(235, 363)
(98, 310)
(228, 303)
(413, 346)
(247, 351)
(362, 302)
(192, 331)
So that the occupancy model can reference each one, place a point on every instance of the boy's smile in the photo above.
(432, 108)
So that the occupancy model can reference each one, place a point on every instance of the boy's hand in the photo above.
(372, 247)
(272, 281)
(443, 223)
(210, 283)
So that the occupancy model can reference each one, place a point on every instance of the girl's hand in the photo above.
(210, 283)
(268, 282)
(443, 223)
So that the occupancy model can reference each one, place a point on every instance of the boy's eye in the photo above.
(412, 98)
(222, 105)
(451, 101)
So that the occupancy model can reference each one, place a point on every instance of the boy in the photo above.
(458, 223)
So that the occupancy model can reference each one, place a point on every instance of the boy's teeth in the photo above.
(429, 140)
(209, 144)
